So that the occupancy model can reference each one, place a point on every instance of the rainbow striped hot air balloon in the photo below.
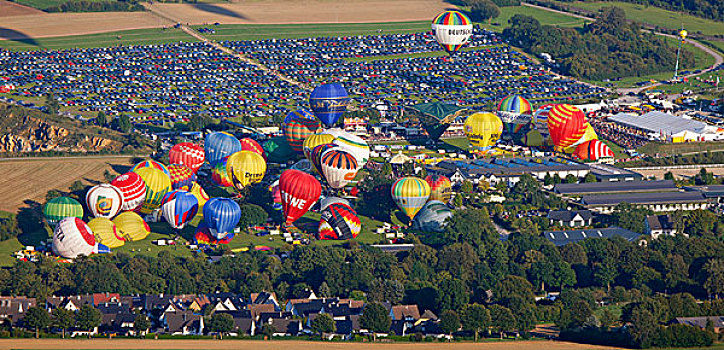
(220, 174)
(566, 125)
(515, 104)
(60, 208)
(151, 164)
(452, 30)
(298, 114)
(410, 193)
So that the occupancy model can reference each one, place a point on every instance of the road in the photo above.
(717, 57)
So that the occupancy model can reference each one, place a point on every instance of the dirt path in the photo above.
(717, 57)
(59, 344)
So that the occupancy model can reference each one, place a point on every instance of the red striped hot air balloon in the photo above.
(299, 191)
(251, 145)
(188, 154)
(593, 150)
(566, 125)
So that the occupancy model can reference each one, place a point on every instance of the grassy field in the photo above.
(44, 4)
(126, 37)
(543, 16)
(657, 16)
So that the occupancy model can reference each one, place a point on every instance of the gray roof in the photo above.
(656, 121)
(608, 187)
(644, 198)
(560, 238)
(660, 222)
(699, 321)
(709, 191)
(568, 215)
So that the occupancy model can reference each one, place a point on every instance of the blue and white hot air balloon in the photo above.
(219, 145)
(179, 208)
(221, 215)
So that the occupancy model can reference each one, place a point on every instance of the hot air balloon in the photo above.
(200, 195)
(245, 168)
(276, 195)
(179, 208)
(151, 164)
(326, 201)
(316, 155)
(566, 125)
(588, 135)
(72, 238)
(410, 193)
(339, 221)
(251, 145)
(221, 215)
(338, 167)
(335, 132)
(314, 141)
(541, 114)
(203, 236)
(298, 114)
(299, 192)
(60, 208)
(181, 177)
(593, 150)
(533, 138)
(515, 104)
(483, 130)
(219, 145)
(329, 102)
(432, 217)
(106, 233)
(452, 30)
(104, 201)
(157, 185)
(220, 173)
(440, 187)
(354, 145)
(133, 189)
(131, 227)
(188, 154)
(297, 130)
(278, 150)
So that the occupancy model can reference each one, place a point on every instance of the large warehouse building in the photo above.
(666, 127)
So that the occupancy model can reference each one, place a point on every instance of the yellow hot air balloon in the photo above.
(483, 130)
(157, 185)
(200, 195)
(245, 168)
(314, 141)
(106, 232)
(131, 226)
(683, 34)
(410, 193)
(588, 135)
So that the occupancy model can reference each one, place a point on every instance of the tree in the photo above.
(466, 187)
(590, 178)
(484, 10)
(714, 272)
(267, 330)
(376, 319)
(221, 323)
(571, 179)
(37, 318)
(51, 104)
(630, 217)
(700, 223)
(643, 327)
(252, 215)
(199, 122)
(323, 323)
(101, 119)
(63, 319)
(501, 319)
(122, 123)
(475, 318)
(449, 322)
(669, 176)
(88, 318)
(141, 324)
(324, 290)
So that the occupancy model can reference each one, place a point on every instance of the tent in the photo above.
(400, 158)
(436, 117)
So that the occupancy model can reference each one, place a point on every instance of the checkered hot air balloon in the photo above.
(452, 30)
(251, 145)
(566, 125)
(188, 154)
(182, 177)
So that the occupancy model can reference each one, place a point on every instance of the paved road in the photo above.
(717, 57)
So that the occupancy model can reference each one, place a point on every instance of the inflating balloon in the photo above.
(566, 125)
(483, 130)
(297, 130)
(314, 141)
(440, 188)
(220, 173)
(355, 145)
(151, 164)
(104, 201)
(182, 177)
(410, 193)
(278, 150)
(200, 195)
(593, 150)
(106, 232)
(157, 185)
(188, 154)
(452, 30)
(179, 208)
(299, 191)
(72, 238)
(432, 217)
(251, 145)
(219, 145)
(515, 104)
(339, 221)
(133, 189)
(221, 215)
(203, 236)
(131, 226)
(245, 168)
(328, 102)
(60, 208)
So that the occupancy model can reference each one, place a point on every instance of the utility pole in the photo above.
(682, 37)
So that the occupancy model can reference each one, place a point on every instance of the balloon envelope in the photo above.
(60, 208)
(220, 173)
(316, 156)
(339, 221)
(157, 185)
(566, 125)
(188, 154)
(106, 232)
(179, 208)
(200, 195)
(251, 145)
(326, 201)
(204, 236)
(483, 130)
(278, 150)
(452, 30)
(593, 150)
(182, 177)
(131, 226)
(410, 193)
(219, 145)
(338, 167)
(355, 145)
(72, 238)
(151, 164)
(432, 217)
(329, 102)
(314, 141)
(299, 191)
(515, 104)
(221, 215)
(440, 188)
(104, 200)
(245, 168)
(297, 130)
(133, 189)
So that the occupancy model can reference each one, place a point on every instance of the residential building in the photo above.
(657, 225)
(571, 218)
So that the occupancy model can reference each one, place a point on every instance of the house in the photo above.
(199, 303)
(701, 322)
(403, 318)
(265, 298)
(117, 318)
(560, 238)
(14, 308)
(657, 225)
(183, 323)
(258, 310)
(244, 323)
(571, 218)
(100, 298)
(285, 327)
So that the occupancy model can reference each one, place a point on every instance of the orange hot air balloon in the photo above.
(593, 150)
(566, 125)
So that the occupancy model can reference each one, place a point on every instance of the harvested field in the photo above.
(9, 9)
(63, 24)
(680, 174)
(277, 345)
(31, 178)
